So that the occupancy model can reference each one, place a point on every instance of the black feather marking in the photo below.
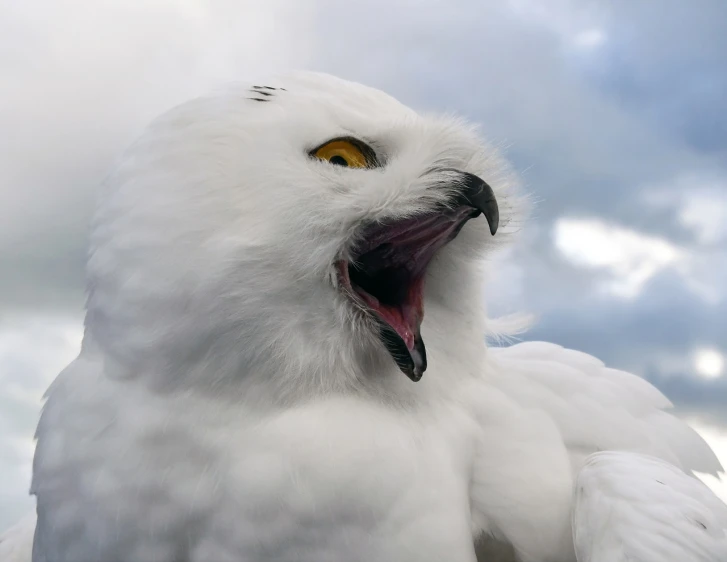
(262, 93)
(260, 88)
(258, 99)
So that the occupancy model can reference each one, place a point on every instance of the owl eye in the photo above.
(347, 152)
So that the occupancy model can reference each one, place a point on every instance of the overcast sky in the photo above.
(614, 112)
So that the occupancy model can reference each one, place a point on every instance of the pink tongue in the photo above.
(406, 318)
(420, 242)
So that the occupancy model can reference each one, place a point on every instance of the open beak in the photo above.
(386, 275)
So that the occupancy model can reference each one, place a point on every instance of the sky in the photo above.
(614, 114)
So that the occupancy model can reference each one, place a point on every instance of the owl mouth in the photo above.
(385, 277)
(386, 270)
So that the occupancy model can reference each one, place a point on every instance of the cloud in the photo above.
(32, 352)
(630, 258)
(708, 363)
(670, 70)
(699, 202)
(589, 38)
(706, 215)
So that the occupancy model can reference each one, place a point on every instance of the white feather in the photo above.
(597, 408)
(565, 405)
(637, 508)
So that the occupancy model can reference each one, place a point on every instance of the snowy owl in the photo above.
(284, 355)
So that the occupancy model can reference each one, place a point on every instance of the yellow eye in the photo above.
(346, 152)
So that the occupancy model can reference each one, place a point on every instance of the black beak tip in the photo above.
(415, 376)
(478, 194)
(416, 363)
(493, 218)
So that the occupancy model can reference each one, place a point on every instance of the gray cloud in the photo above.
(32, 351)
(671, 70)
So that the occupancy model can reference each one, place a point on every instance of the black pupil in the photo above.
(339, 161)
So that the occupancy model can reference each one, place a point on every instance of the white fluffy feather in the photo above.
(632, 507)
(567, 405)
(229, 404)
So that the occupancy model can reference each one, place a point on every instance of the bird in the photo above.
(285, 355)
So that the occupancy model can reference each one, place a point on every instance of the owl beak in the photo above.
(477, 193)
(386, 275)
